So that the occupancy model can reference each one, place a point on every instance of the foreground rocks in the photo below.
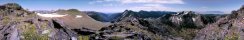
(19, 24)
(228, 28)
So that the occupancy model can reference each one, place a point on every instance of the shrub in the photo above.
(5, 20)
(73, 12)
(83, 37)
(30, 33)
(233, 36)
(13, 6)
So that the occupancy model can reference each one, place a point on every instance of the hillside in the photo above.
(17, 23)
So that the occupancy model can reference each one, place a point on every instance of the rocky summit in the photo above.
(17, 23)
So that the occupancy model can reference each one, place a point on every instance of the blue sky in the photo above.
(136, 5)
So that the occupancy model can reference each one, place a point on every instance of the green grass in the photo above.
(5, 20)
(83, 37)
(69, 11)
(185, 33)
(233, 36)
(30, 33)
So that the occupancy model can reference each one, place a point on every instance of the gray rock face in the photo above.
(167, 27)
(19, 24)
(9, 31)
(8, 26)
(15, 26)
(228, 28)
(126, 29)
(187, 19)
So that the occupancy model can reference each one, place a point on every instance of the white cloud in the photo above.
(155, 5)
(204, 7)
(98, 1)
(142, 1)
(109, 5)
(151, 7)
(154, 1)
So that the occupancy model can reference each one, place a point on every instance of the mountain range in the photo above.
(17, 23)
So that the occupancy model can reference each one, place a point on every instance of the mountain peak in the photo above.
(128, 11)
(12, 6)
(186, 13)
(237, 14)
(242, 8)
(12, 9)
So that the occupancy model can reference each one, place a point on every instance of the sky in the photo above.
(135, 5)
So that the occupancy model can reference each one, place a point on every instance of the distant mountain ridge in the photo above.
(17, 23)
(115, 16)
(104, 17)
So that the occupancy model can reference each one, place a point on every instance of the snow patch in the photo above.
(178, 18)
(194, 19)
(51, 15)
(78, 16)
(186, 13)
(73, 38)
(177, 13)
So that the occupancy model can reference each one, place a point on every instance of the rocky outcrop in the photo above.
(9, 24)
(129, 28)
(187, 19)
(19, 24)
(227, 28)
(183, 25)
